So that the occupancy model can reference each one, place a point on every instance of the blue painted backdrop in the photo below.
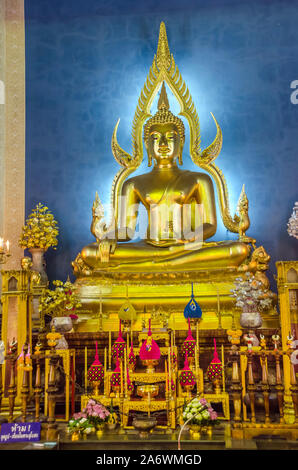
(86, 62)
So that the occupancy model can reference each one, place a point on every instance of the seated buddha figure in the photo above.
(181, 212)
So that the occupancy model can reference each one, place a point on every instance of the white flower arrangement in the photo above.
(199, 412)
(250, 294)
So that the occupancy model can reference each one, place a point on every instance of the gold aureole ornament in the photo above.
(164, 70)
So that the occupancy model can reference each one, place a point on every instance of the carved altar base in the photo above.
(168, 293)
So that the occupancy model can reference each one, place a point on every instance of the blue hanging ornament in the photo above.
(192, 309)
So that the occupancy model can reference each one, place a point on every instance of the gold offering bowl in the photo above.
(150, 363)
(149, 389)
(144, 425)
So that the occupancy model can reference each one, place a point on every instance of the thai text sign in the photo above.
(19, 432)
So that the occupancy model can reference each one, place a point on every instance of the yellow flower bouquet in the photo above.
(40, 230)
(60, 302)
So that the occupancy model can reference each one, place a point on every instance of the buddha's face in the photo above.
(164, 143)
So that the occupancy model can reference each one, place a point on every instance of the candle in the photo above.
(125, 372)
(7, 245)
(85, 371)
(170, 371)
(110, 349)
(105, 372)
(121, 378)
(1, 243)
(223, 368)
(196, 359)
(166, 370)
(174, 329)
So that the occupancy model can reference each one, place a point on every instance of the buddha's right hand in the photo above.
(106, 247)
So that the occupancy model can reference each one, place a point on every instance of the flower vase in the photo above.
(95, 385)
(116, 390)
(75, 436)
(100, 429)
(216, 385)
(195, 431)
(39, 264)
(251, 320)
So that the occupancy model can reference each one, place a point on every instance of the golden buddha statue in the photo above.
(180, 206)
(181, 212)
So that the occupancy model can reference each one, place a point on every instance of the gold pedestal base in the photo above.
(168, 293)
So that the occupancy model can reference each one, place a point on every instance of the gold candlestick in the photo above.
(125, 373)
(197, 369)
(170, 369)
(86, 366)
(166, 371)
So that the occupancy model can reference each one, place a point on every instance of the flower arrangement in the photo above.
(62, 301)
(200, 412)
(249, 294)
(88, 420)
(40, 230)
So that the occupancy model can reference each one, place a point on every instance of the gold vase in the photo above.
(100, 429)
(150, 363)
(149, 389)
(216, 385)
(95, 385)
(39, 264)
(197, 431)
(188, 389)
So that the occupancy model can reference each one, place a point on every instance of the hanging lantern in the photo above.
(192, 309)
(189, 346)
(150, 352)
(116, 378)
(132, 360)
(119, 345)
(214, 370)
(187, 378)
(96, 372)
(130, 386)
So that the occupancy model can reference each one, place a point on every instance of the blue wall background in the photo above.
(86, 63)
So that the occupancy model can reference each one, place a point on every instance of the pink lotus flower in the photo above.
(203, 401)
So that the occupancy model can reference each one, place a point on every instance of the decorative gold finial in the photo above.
(163, 56)
(163, 102)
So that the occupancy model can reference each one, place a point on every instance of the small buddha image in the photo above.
(26, 263)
